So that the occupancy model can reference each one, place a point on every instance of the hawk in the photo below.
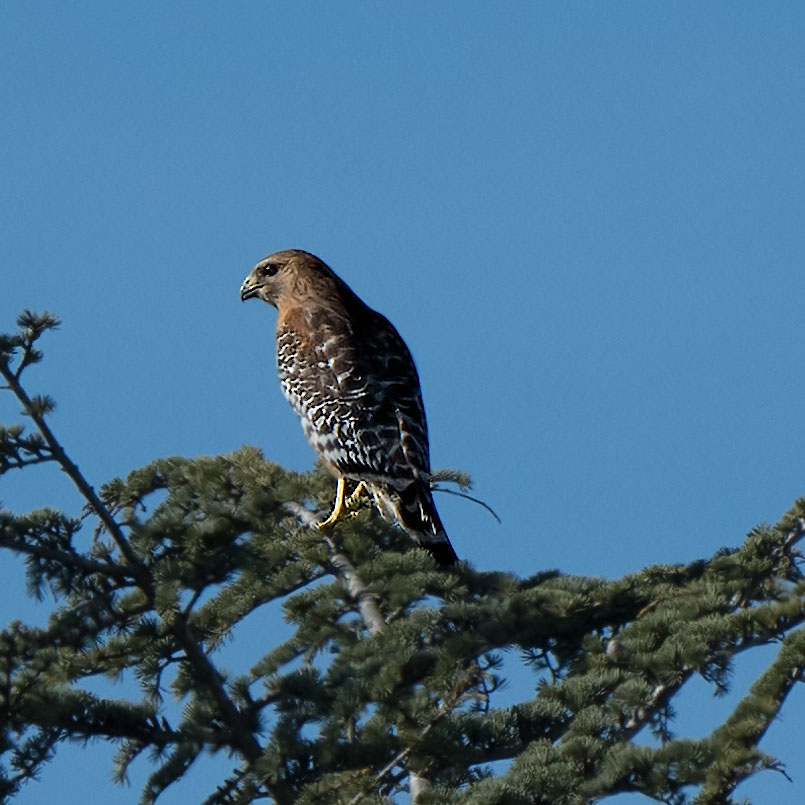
(350, 378)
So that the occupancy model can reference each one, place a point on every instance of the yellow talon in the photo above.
(337, 506)
(353, 499)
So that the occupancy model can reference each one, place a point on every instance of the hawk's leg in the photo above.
(353, 499)
(337, 506)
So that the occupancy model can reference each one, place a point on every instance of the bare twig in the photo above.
(467, 497)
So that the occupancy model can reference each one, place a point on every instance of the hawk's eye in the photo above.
(270, 270)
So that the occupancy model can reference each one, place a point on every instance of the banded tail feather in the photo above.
(414, 509)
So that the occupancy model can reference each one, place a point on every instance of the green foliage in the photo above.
(389, 668)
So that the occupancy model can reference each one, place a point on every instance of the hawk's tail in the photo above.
(414, 508)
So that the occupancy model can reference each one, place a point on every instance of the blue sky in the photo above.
(585, 218)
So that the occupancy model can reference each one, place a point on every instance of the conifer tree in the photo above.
(388, 678)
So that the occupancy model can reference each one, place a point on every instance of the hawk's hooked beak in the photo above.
(247, 290)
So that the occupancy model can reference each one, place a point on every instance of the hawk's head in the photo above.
(269, 279)
(288, 275)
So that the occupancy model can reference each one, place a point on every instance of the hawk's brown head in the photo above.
(271, 278)
(291, 276)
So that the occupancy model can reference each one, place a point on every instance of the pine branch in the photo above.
(366, 601)
(374, 623)
(244, 738)
(70, 559)
(387, 678)
(38, 749)
(36, 413)
(370, 613)
(749, 722)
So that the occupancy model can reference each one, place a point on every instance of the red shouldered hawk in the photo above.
(351, 380)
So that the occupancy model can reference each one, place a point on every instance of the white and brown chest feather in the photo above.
(357, 396)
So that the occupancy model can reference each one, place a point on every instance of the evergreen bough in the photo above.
(387, 678)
